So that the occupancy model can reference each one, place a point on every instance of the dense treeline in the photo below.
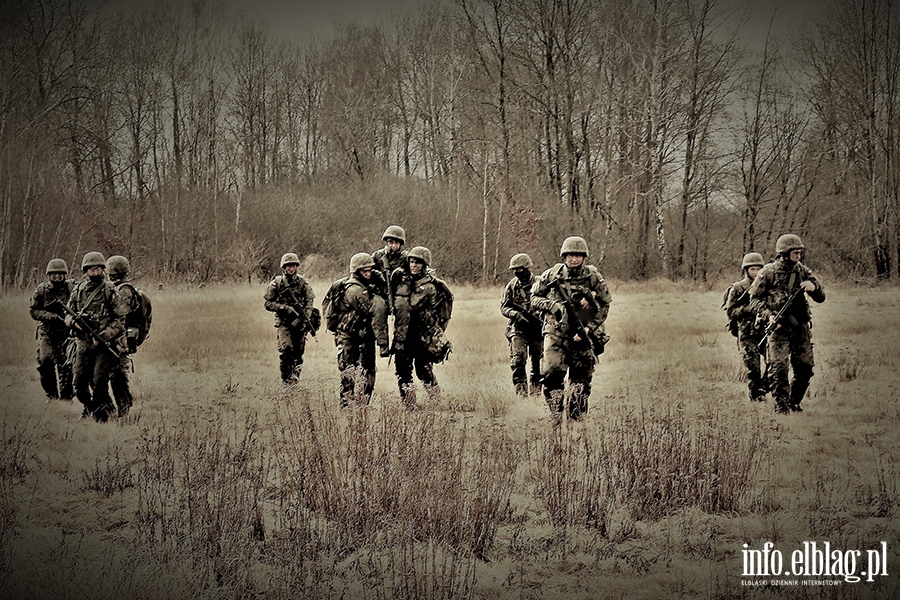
(203, 145)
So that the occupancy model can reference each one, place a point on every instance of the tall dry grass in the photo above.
(223, 484)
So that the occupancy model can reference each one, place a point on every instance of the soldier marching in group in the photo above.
(357, 332)
(785, 284)
(97, 320)
(524, 328)
(137, 326)
(387, 260)
(291, 297)
(574, 300)
(53, 337)
(419, 339)
(742, 319)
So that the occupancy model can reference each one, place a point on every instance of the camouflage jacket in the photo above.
(393, 259)
(357, 309)
(45, 306)
(385, 264)
(418, 295)
(774, 285)
(515, 303)
(584, 282)
(279, 298)
(738, 309)
(102, 307)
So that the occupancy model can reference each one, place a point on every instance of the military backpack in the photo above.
(444, 303)
(138, 319)
(334, 305)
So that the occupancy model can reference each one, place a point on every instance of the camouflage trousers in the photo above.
(54, 367)
(790, 349)
(748, 346)
(401, 319)
(380, 321)
(356, 362)
(291, 346)
(120, 383)
(414, 356)
(560, 357)
(91, 373)
(523, 353)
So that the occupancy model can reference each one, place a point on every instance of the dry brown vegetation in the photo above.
(222, 484)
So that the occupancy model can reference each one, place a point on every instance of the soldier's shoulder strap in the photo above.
(556, 272)
(595, 276)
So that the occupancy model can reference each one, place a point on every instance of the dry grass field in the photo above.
(222, 484)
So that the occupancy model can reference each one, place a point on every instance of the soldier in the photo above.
(781, 282)
(419, 339)
(53, 337)
(291, 297)
(574, 300)
(391, 256)
(354, 334)
(524, 329)
(137, 325)
(742, 320)
(98, 335)
(387, 259)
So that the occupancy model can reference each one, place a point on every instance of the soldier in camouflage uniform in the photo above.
(418, 337)
(524, 329)
(118, 267)
(96, 300)
(565, 349)
(52, 335)
(387, 260)
(749, 332)
(790, 344)
(355, 336)
(289, 295)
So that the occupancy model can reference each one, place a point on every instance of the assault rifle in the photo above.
(83, 324)
(572, 313)
(533, 321)
(774, 324)
(302, 317)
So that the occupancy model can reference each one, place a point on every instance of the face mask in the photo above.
(95, 278)
(523, 275)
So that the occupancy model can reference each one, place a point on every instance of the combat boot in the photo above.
(798, 391)
(782, 407)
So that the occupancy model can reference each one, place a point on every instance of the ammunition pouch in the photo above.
(132, 339)
(437, 346)
(599, 341)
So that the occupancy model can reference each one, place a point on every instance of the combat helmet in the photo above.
(753, 259)
(573, 245)
(422, 253)
(361, 260)
(117, 266)
(289, 259)
(520, 260)
(92, 259)
(788, 242)
(394, 232)
(57, 265)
